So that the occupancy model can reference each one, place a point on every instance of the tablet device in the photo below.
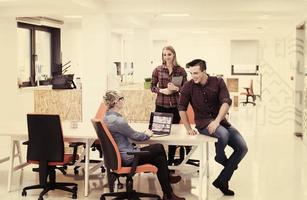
(177, 80)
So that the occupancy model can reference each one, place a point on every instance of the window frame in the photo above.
(55, 51)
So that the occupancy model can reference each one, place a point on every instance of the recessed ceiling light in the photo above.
(175, 15)
(264, 16)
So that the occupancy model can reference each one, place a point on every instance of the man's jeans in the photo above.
(227, 136)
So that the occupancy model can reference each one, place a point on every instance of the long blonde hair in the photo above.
(171, 49)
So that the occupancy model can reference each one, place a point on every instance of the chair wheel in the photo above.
(40, 198)
(24, 193)
(74, 195)
(75, 188)
(76, 171)
(103, 170)
(102, 198)
(120, 186)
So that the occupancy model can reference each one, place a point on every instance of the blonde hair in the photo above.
(171, 49)
(111, 97)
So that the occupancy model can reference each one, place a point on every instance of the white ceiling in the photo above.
(203, 15)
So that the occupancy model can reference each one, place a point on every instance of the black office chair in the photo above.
(46, 148)
(114, 164)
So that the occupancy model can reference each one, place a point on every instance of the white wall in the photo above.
(14, 102)
(277, 65)
(216, 53)
(71, 46)
(95, 40)
(141, 55)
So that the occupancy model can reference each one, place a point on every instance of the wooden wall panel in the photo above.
(66, 103)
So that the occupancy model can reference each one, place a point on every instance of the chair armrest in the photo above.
(246, 88)
(76, 144)
(138, 153)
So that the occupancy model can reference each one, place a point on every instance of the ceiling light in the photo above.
(264, 16)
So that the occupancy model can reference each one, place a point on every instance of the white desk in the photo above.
(179, 136)
(86, 133)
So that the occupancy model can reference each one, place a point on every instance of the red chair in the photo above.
(113, 162)
(46, 148)
(249, 93)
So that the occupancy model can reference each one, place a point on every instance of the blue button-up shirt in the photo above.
(122, 132)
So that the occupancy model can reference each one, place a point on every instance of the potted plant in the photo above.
(147, 83)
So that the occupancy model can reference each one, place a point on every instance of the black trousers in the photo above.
(157, 157)
(176, 120)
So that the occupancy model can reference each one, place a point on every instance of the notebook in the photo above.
(160, 123)
(177, 80)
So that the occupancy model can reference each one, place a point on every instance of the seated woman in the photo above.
(122, 132)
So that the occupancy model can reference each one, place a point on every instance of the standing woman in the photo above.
(168, 92)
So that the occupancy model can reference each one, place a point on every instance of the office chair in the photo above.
(46, 148)
(249, 93)
(113, 162)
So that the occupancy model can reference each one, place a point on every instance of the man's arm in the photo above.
(186, 122)
(226, 102)
(216, 122)
(222, 112)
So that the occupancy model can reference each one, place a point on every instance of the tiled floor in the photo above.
(274, 168)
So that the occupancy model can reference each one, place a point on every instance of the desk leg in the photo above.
(19, 153)
(207, 159)
(10, 173)
(86, 174)
(201, 171)
(207, 168)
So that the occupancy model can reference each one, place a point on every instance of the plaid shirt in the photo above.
(205, 100)
(160, 79)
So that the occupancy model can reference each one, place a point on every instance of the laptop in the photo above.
(160, 123)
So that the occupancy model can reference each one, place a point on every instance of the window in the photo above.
(39, 54)
(244, 57)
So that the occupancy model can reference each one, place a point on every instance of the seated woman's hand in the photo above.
(148, 132)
